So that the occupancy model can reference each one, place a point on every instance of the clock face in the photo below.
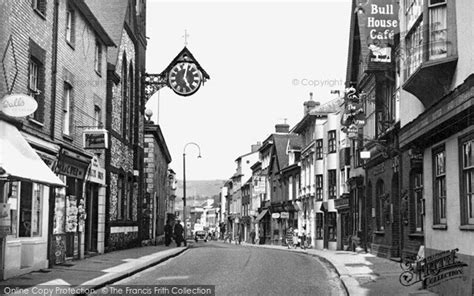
(184, 78)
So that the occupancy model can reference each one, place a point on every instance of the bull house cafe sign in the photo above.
(432, 270)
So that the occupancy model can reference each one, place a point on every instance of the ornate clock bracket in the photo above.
(153, 83)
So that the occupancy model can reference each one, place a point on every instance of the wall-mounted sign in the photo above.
(380, 20)
(276, 215)
(353, 117)
(5, 219)
(284, 215)
(96, 172)
(96, 139)
(18, 105)
(341, 203)
(259, 185)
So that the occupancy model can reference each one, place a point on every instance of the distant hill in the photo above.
(198, 191)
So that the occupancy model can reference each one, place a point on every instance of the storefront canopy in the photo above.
(18, 161)
(260, 216)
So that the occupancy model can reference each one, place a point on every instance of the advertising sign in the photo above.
(379, 18)
(259, 185)
(18, 105)
(5, 219)
(276, 215)
(96, 172)
(284, 215)
(96, 139)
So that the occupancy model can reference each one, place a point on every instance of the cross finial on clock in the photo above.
(185, 36)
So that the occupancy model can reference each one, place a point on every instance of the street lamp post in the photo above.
(184, 185)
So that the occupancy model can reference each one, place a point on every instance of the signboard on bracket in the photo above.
(18, 105)
(96, 139)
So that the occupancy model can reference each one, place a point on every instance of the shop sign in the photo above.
(379, 169)
(96, 139)
(433, 270)
(354, 116)
(5, 219)
(96, 172)
(276, 215)
(284, 215)
(380, 19)
(69, 169)
(259, 185)
(341, 203)
(18, 105)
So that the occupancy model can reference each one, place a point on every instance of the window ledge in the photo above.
(469, 227)
(440, 226)
(35, 122)
(416, 234)
(39, 13)
(379, 232)
(70, 44)
(67, 137)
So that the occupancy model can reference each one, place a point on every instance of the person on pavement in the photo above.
(178, 234)
(168, 233)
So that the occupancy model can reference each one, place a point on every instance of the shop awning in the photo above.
(260, 216)
(18, 161)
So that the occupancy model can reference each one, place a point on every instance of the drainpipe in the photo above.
(54, 66)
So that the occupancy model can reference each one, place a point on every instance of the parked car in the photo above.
(200, 235)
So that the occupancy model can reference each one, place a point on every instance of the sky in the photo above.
(263, 58)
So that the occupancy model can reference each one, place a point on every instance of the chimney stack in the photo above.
(282, 128)
(255, 147)
(308, 105)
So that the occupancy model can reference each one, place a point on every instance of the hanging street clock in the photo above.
(184, 78)
(183, 75)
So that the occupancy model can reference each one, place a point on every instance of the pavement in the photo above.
(97, 271)
(360, 273)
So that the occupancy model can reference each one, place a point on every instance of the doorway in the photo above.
(92, 206)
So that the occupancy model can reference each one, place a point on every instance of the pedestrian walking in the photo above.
(168, 233)
(252, 236)
(289, 237)
(178, 234)
(303, 237)
(295, 237)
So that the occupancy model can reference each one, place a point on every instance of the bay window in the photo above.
(437, 29)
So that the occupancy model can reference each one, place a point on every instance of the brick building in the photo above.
(80, 104)
(45, 57)
(375, 183)
(157, 158)
(124, 20)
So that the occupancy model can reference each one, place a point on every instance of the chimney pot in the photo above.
(282, 128)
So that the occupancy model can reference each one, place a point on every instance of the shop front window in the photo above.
(319, 225)
(59, 211)
(30, 209)
(332, 226)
